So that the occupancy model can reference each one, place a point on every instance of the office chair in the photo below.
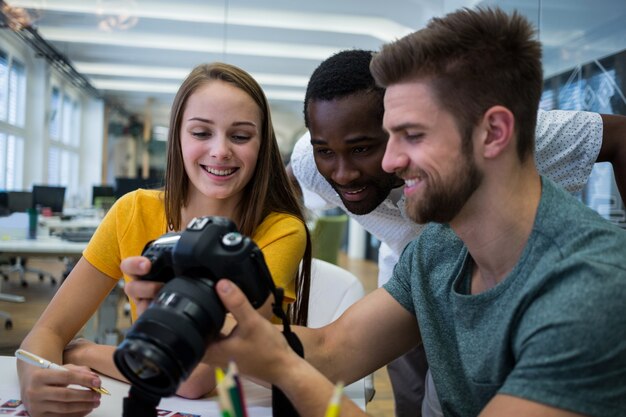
(327, 236)
(20, 201)
(333, 290)
(8, 321)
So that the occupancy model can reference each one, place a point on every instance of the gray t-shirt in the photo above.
(553, 331)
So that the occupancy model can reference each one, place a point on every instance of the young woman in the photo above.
(223, 160)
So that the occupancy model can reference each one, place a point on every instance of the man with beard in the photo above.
(340, 161)
(517, 292)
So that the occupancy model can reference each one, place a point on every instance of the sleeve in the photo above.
(399, 285)
(282, 239)
(567, 146)
(573, 356)
(103, 250)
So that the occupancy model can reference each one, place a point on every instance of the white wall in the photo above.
(91, 151)
(36, 145)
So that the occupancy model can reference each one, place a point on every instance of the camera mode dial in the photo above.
(232, 240)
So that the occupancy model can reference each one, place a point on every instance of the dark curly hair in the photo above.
(345, 73)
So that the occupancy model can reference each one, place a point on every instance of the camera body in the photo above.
(169, 339)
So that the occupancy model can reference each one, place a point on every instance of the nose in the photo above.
(221, 147)
(344, 173)
(395, 158)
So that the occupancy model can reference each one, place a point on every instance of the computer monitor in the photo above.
(101, 191)
(19, 201)
(49, 196)
(125, 185)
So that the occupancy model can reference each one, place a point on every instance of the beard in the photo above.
(444, 199)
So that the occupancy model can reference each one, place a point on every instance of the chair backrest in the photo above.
(19, 201)
(327, 236)
(49, 196)
(333, 290)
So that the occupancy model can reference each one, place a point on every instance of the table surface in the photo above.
(258, 399)
(49, 243)
(55, 223)
(42, 246)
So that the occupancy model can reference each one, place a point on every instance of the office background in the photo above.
(86, 85)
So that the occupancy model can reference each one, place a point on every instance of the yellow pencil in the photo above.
(334, 405)
(226, 407)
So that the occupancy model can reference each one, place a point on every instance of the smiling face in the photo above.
(426, 149)
(220, 141)
(348, 147)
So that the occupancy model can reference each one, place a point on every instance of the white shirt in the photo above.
(567, 146)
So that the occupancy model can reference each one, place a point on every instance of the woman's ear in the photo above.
(498, 131)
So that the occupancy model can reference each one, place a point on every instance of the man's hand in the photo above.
(257, 346)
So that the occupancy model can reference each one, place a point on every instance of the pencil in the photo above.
(334, 405)
(235, 374)
(223, 399)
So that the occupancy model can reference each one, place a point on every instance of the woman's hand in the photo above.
(141, 292)
(45, 392)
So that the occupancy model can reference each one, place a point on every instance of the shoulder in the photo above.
(570, 121)
(303, 165)
(150, 197)
(276, 225)
(577, 230)
(434, 250)
(138, 204)
(302, 148)
(147, 199)
(434, 239)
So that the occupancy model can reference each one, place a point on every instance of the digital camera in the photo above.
(169, 339)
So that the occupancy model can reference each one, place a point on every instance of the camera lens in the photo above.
(170, 337)
(141, 366)
(147, 367)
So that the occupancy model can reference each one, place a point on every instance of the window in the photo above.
(597, 86)
(12, 121)
(64, 134)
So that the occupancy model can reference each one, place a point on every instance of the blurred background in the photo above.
(86, 85)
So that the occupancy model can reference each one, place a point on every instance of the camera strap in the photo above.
(281, 406)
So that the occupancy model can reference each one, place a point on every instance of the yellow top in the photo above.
(139, 217)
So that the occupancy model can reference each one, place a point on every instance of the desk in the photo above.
(44, 246)
(258, 398)
(55, 225)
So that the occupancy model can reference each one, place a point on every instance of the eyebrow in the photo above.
(405, 126)
(209, 121)
(350, 141)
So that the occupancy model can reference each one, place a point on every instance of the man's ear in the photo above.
(498, 125)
